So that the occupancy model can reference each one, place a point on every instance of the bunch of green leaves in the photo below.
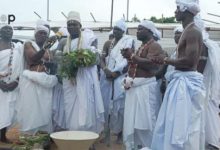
(75, 59)
(30, 141)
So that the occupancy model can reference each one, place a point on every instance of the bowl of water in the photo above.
(74, 140)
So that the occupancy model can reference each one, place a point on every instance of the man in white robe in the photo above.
(209, 65)
(34, 108)
(113, 71)
(10, 69)
(180, 123)
(82, 99)
(141, 101)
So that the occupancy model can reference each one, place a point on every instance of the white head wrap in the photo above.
(201, 25)
(42, 22)
(190, 5)
(158, 34)
(150, 26)
(41, 28)
(178, 29)
(121, 24)
(73, 15)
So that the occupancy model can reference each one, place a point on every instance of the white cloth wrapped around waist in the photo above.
(182, 111)
(41, 78)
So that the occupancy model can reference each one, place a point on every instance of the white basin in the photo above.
(74, 140)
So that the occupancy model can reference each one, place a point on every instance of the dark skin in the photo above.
(146, 68)
(74, 28)
(163, 68)
(202, 62)
(118, 33)
(6, 33)
(190, 45)
(34, 58)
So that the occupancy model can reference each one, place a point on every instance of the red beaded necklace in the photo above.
(138, 53)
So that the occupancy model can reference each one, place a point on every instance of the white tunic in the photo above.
(112, 91)
(212, 83)
(180, 123)
(34, 107)
(83, 101)
(8, 99)
(141, 109)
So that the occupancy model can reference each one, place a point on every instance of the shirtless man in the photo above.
(141, 103)
(180, 123)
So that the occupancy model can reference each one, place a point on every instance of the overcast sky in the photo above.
(101, 9)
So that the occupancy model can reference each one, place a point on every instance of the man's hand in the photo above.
(127, 52)
(3, 86)
(158, 59)
(108, 73)
(49, 43)
(8, 87)
(115, 74)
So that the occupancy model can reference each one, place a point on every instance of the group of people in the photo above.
(148, 99)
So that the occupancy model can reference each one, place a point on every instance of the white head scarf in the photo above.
(150, 26)
(73, 15)
(178, 29)
(42, 22)
(121, 24)
(190, 5)
(201, 25)
(41, 28)
(158, 34)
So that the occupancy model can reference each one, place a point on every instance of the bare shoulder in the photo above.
(27, 44)
(155, 46)
(193, 32)
(107, 44)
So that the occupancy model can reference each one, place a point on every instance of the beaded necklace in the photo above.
(138, 53)
(79, 43)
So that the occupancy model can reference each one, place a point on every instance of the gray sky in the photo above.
(101, 9)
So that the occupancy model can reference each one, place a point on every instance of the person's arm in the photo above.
(203, 59)
(95, 43)
(7, 87)
(104, 54)
(193, 41)
(147, 63)
(31, 54)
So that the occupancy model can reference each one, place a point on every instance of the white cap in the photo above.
(190, 5)
(42, 22)
(121, 24)
(150, 26)
(41, 28)
(73, 15)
